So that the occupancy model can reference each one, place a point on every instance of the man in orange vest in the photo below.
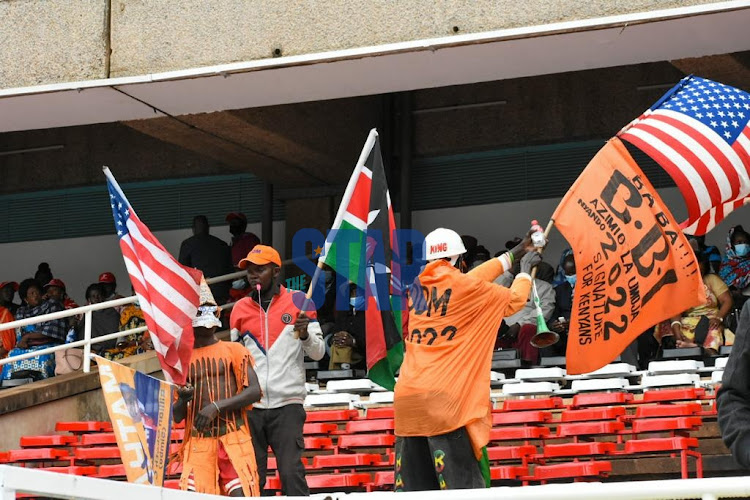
(442, 405)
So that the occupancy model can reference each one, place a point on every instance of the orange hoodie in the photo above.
(444, 382)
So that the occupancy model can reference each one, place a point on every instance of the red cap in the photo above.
(107, 278)
(260, 255)
(11, 283)
(55, 282)
(236, 215)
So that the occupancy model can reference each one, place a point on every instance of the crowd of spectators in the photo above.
(44, 294)
(726, 279)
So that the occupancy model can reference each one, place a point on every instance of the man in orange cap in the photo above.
(266, 322)
(242, 241)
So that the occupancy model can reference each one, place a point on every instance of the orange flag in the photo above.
(634, 265)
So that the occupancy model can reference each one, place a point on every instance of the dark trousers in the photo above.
(444, 462)
(280, 428)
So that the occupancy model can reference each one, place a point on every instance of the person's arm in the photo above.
(724, 299)
(494, 268)
(32, 338)
(733, 399)
(249, 395)
(184, 396)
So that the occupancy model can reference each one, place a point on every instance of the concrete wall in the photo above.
(47, 41)
(78, 261)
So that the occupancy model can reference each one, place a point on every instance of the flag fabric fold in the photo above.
(168, 293)
(362, 248)
(140, 408)
(634, 265)
(698, 132)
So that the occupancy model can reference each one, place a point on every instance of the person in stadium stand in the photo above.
(217, 452)
(55, 290)
(733, 398)
(735, 267)
(242, 241)
(43, 273)
(442, 412)
(209, 254)
(103, 321)
(8, 290)
(7, 337)
(564, 289)
(35, 337)
(278, 335)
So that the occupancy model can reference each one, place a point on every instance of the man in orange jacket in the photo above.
(441, 402)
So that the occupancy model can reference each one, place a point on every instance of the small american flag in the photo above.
(698, 132)
(168, 293)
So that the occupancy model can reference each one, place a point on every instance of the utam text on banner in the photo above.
(635, 267)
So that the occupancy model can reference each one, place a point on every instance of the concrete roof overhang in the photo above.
(708, 29)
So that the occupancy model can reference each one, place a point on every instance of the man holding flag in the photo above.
(442, 406)
(278, 335)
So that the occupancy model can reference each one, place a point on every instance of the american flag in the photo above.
(698, 132)
(168, 293)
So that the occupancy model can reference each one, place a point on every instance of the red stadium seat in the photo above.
(668, 410)
(318, 443)
(666, 424)
(571, 470)
(688, 447)
(106, 438)
(97, 452)
(521, 417)
(344, 460)
(76, 470)
(375, 413)
(578, 449)
(319, 428)
(589, 428)
(29, 454)
(532, 404)
(507, 472)
(690, 393)
(83, 427)
(380, 425)
(601, 398)
(331, 415)
(518, 433)
(113, 470)
(589, 414)
(325, 481)
(366, 441)
(383, 479)
(496, 453)
(4, 457)
(47, 441)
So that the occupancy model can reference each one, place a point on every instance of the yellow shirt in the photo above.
(444, 383)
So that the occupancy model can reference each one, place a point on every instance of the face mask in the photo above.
(741, 249)
(357, 302)
(329, 277)
(571, 279)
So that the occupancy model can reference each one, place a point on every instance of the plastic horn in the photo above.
(544, 336)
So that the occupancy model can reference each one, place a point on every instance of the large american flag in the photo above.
(698, 132)
(168, 293)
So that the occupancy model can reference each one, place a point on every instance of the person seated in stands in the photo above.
(327, 311)
(702, 325)
(349, 340)
(564, 287)
(8, 290)
(35, 337)
(55, 290)
(242, 241)
(43, 273)
(103, 321)
(7, 337)
(131, 317)
(521, 326)
(209, 254)
(108, 284)
(735, 267)
(698, 243)
(481, 255)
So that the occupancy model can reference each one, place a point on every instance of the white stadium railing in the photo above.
(54, 485)
(86, 311)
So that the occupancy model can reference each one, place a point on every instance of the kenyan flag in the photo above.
(360, 247)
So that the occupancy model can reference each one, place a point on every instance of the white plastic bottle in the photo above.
(537, 237)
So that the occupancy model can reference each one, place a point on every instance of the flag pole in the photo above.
(369, 143)
(547, 230)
